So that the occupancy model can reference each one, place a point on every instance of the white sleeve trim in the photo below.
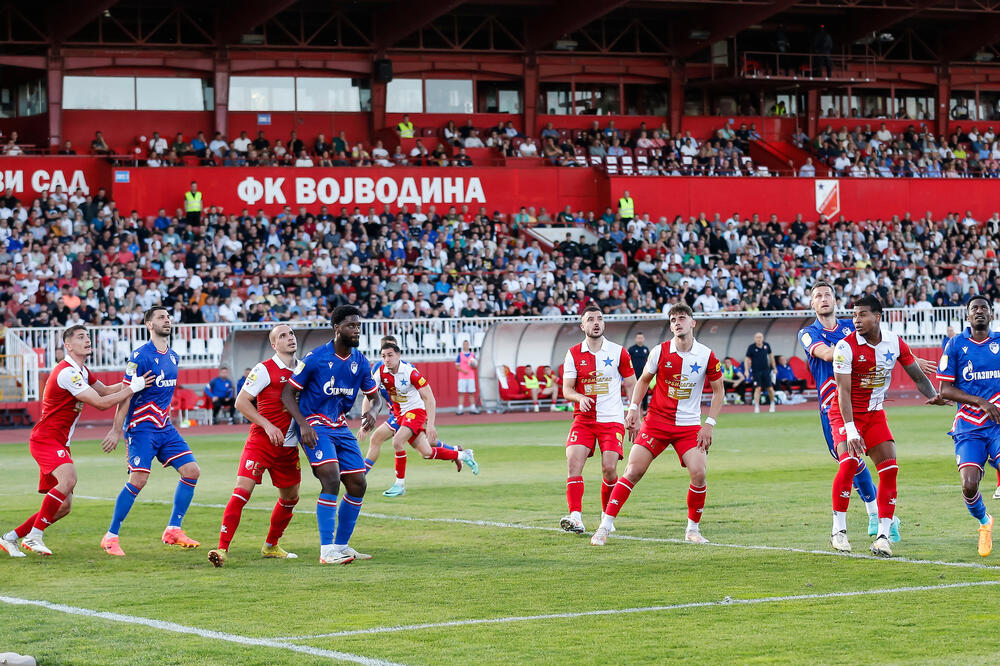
(258, 379)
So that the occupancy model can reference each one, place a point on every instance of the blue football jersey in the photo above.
(973, 367)
(822, 371)
(329, 384)
(152, 404)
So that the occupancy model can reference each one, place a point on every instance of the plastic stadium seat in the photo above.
(941, 328)
(912, 329)
(477, 339)
(628, 167)
(611, 164)
(363, 342)
(927, 328)
(411, 343)
(897, 327)
(447, 340)
(215, 347)
(801, 371)
(197, 348)
(179, 345)
(462, 337)
(430, 341)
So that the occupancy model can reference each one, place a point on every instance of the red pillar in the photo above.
(812, 111)
(676, 99)
(54, 82)
(943, 100)
(220, 77)
(530, 96)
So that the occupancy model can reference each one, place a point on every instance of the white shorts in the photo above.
(466, 385)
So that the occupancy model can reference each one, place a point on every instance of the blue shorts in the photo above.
(974, 448)
(336, 445)
(165, 444)
(392, 423)
(824, 419)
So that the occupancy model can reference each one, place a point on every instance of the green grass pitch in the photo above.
(768, 485)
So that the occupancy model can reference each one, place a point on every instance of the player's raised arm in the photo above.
(103, 401)
(919, 377)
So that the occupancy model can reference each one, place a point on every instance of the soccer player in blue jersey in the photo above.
(386, 431)
(969, 372)
(149, 433)
(318, 395)
(818, 340)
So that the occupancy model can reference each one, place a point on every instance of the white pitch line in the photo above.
(204, 633)
(517, 526)
(647, 609)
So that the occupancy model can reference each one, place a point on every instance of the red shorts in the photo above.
(657, 438)
(281, 462)
(871, 425)
(607, 436)
(48, 455)
(415, 420)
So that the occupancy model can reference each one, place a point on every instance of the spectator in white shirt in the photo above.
(883, 134)
(303, 161)
(807, 170)
(528, 148)
(473, 140)
(157, 144)
(381, 155)
(219, 147)
(242, 144)
(706, 301)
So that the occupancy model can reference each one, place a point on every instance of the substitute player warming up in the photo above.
(150, 434)
(67, 390)
(681, 367)
(318, 395)
(970, 375)
(593, 373)
(862, 366)
(271, 446)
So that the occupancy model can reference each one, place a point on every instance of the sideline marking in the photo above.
(204, 633)
(647, 609)
(516, 526)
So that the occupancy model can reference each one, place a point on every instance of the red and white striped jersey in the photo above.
(680, 380)
(403, 387)
(266, 382)
(60, 408)
(870, 367)
(599, 376)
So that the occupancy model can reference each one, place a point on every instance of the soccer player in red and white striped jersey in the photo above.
(593, 374)
(271, 446)
(862, 365)
(67, 390)
(681, 367)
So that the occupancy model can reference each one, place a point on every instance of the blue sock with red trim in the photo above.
(864, 485)
(126, 498)
(326, 517)
(182, 500)
(977, 507)
(347, 518)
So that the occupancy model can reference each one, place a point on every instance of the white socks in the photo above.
(35, 533)
(883, 526)
(693, 526)
(576, 515)
(871, 508)
(607, 522)
(839, 521)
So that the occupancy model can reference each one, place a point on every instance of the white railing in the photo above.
(21, 360)
(202, 345)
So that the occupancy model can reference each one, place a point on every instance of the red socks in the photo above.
(842, 482)
(696, 502)
(618, 497)
(437, 453)
(574, 493)
(400, 465)
(886, 495)
(280, 517)
(22, 530)
(231, 516)
(51, 503)
(606, 488)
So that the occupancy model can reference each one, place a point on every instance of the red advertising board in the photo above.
(30, 177)
(271, 189)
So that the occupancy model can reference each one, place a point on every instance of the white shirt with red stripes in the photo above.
(870, 367)
(599, 376)
(403, 386)
(680, 381)
(60, 408)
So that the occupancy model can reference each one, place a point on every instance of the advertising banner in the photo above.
(31, 177)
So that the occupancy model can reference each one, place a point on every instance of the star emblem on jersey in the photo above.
(695, 367)
(608, 362)
(402, 382)
(889, 356)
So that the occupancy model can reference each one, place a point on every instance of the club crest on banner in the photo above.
(828, 197)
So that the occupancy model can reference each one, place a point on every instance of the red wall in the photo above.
(32, 130)
(306, 125)
(122, 129)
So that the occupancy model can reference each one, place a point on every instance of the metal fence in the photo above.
(203, 345)
(19, 368)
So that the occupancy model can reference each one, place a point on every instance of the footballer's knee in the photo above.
(970, 487)
(355, 484)
(698, 477)
(189, 470)
(610, 472)
(138, 479)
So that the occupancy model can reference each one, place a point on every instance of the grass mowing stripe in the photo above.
(648, 609)
(203, 633)
(516, 526)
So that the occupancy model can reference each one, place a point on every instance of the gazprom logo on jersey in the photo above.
(163, 382)
(330, 389)
(970, 374)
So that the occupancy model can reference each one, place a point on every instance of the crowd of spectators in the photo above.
(76, 258)
(913, 153)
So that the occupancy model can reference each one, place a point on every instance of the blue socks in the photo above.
(368, 465)
(326, 517)
(182, 500)
(126, 498)
(977, 508)
(446, 446)
(350, 507)
(863, 484)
